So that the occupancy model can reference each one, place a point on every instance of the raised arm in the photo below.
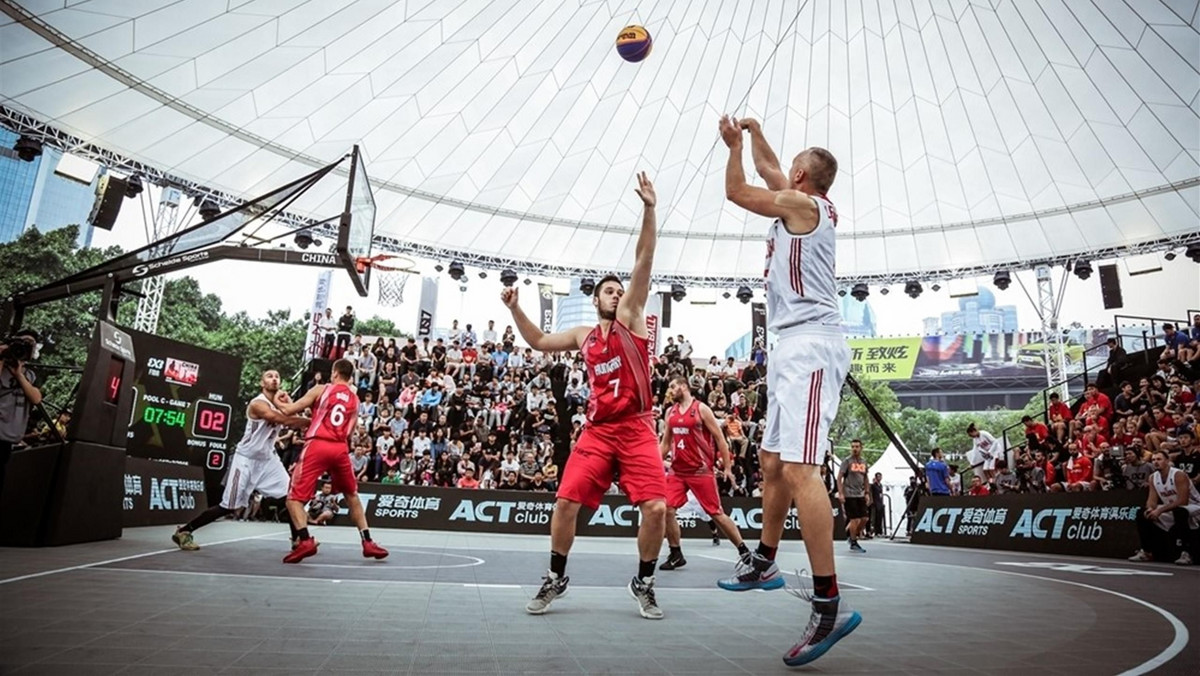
(765, 162)
(542, 342)
(710, 423)
(632, 308)
(293, 407)
(797, 210)
(260, 410)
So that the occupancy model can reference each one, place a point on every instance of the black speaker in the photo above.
(1110, 287)
(110, 191)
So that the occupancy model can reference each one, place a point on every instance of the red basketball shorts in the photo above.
(628, 446)
(320, 457)
(703, 486)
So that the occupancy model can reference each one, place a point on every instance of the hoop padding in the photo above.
(391, 283)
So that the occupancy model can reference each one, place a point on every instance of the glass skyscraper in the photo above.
(32, 194)
(574, 309)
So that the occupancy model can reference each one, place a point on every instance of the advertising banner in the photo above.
(312, 343)
(546, 307)
(970, 355)
(653, 324)
(758, 324)
(525, 512)
(1083, 524)
(427, 310)
(161, 493)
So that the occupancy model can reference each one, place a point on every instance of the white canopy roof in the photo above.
(969, 133)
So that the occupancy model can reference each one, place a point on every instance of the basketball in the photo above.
(634, 43)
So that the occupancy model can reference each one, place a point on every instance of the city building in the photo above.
(37, 194)
(975, 314)
(574, 309)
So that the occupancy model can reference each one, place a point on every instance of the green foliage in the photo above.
(918, 429)
(378, 326)
(854, 422)
(33, 260)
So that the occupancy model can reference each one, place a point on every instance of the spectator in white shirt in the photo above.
(580, 415)
(421, 443)
(489, 334)
(455, 334)
(685, 354)
(510, 462)
(453, 358)
(516, 361)
(535, 400)
(328, 324)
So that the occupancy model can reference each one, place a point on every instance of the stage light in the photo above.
(1193, 252)
(462, 288)
(1083, 269)
(439, 267)
(303, 240)
(726, 295)
(483, 274)
(133, 186)
(678, 293)
(744, 294)
(316, 242)
(1002, 279)
(860, 292)
(842, 291)
(935, 287)
(913, 288)
(528, 281)
(209, 209)
(28, 148)
(1170, 255)
(587, 286)
(883, 291)
(456, 270)
(508, 278)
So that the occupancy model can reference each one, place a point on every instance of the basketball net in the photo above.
(389, 279)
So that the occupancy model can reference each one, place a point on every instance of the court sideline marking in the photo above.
(126, 558)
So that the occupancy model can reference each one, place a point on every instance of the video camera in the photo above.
(18, 347)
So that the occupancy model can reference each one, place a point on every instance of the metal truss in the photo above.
(23, 123)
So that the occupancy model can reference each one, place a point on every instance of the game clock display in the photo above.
(184, 402)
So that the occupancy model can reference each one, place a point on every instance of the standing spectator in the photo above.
(685, 355)
(955, 480)
(328, 325)
(937, 473)
(670, 352)
(345, 329)
(18, 396)
(1117, 359)
(489, 334)
(876, 509)
(758, 355)
(912, 498)
(468, 336)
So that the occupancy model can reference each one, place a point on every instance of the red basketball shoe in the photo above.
(303, 550)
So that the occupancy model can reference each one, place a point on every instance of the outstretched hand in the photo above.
(645, 190)
(731, 134)
(749, 124)
(508, 296)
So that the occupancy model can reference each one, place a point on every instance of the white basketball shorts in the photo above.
(246, 475)
(805, 373)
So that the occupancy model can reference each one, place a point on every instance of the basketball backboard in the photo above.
(357, 227)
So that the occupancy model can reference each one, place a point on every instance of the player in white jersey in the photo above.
(255, 466)
(1172, 510)
(804, 374)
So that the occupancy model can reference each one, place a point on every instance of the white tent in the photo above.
(895, 473)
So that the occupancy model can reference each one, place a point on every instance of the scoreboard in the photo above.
(183, 402)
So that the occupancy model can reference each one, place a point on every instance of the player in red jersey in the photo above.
(693, 438)
(619, 434)
(335, 413)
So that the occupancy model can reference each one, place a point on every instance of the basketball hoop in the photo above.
(389, 278)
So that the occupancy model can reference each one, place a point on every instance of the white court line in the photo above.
(1177, 645)
(124, 558)
(851, 585)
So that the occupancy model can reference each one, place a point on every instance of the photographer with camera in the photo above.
(18, 395)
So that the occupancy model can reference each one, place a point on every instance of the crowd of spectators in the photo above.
(473, 409)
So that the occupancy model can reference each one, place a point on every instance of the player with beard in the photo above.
(693, 437)
(255, 465)
(327, 451)
(619, 434)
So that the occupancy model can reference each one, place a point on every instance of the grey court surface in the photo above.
(454, 603)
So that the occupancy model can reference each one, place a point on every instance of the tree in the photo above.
(854, 422)
(917, 428)
(378, 326)
(33, 260)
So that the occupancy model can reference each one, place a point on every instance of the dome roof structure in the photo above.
(971, 135)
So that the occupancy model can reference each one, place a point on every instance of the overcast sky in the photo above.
(257, 288)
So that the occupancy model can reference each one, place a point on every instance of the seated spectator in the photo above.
(1078, 473)
(408, 467)
(550, 472)
(489, 481)
(1186, 454)
(422, 443)
(438, 444)
(737, 438)
(324, 505)
(468, 480)
(1172, 514)
(1175, 344)
(359, 462)
(1006, 480)
(509, 482)
(510, 462)
(1135, 470)
(955, 479)
(454, 357)
(1060, 417)
(1036, 433)
(978, 488)
(528, 468)
(538, 483)
(393, 476)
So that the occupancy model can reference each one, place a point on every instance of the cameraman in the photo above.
(18, 396)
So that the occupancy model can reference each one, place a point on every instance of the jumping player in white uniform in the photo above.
(804, 375)
(255, 465)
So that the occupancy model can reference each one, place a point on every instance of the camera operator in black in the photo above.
(18, 395)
